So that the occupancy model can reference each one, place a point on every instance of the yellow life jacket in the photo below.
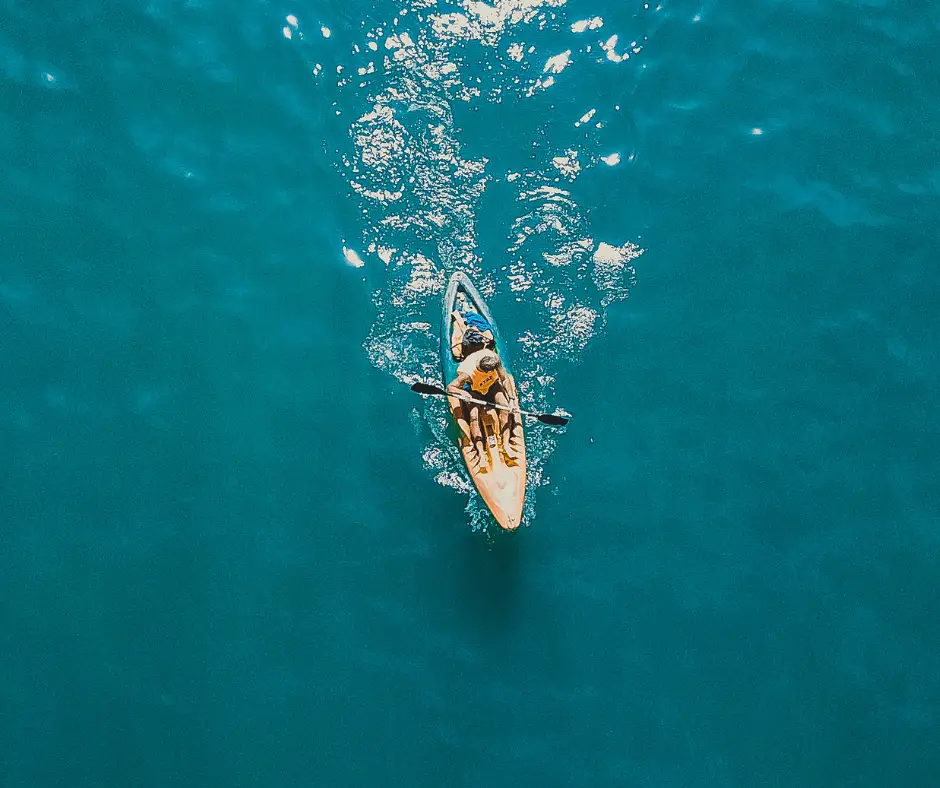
(480, 381)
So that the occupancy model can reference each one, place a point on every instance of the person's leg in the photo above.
(476, 431)
(515, 419)
(456, 336)
(505, 426)
(458, 411)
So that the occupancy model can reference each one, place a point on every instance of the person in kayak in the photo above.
(481, 375)
(472, 332)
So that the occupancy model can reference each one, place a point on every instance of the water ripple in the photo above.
(420, 192)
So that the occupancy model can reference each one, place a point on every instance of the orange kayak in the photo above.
(502, 486)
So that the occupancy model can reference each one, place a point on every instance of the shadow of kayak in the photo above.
(487, 574)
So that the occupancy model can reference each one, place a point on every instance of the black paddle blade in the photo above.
(427, 388)
(548, 418)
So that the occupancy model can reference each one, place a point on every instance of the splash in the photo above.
(420, 195)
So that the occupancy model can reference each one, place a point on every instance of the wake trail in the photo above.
(420, 197)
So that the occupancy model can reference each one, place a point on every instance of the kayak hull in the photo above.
(503, 486)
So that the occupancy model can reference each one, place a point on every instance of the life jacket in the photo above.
(480, 381)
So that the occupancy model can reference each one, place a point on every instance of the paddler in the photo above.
(481, 375)
(472, 332)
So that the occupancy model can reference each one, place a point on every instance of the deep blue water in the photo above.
(236, 550)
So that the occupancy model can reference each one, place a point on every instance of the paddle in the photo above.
(545, 418)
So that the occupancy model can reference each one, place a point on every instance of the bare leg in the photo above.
(460, 416)
(505, 427)
(469, 449)
(456, 337)
(476, 431)
(516, 439)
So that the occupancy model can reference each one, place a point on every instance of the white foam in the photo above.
(558, 63)
(593, 23)
(610, 47)
(568, 164)
(586, 117)
(353, 258)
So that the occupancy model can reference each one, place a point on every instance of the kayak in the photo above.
(502, 487)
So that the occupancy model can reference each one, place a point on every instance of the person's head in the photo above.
(472, 340)
(488, 362)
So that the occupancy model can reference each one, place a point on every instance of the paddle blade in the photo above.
(427, 388)
(549, 418)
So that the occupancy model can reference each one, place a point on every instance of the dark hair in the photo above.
(473, 337)
(489, 362)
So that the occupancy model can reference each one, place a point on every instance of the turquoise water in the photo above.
(238, 551)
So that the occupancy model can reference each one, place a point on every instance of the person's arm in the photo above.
(455, 387)
(509, 386)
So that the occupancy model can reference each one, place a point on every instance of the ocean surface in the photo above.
(236, 550)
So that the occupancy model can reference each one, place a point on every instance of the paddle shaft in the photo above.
(426, 388)
(496, 405)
